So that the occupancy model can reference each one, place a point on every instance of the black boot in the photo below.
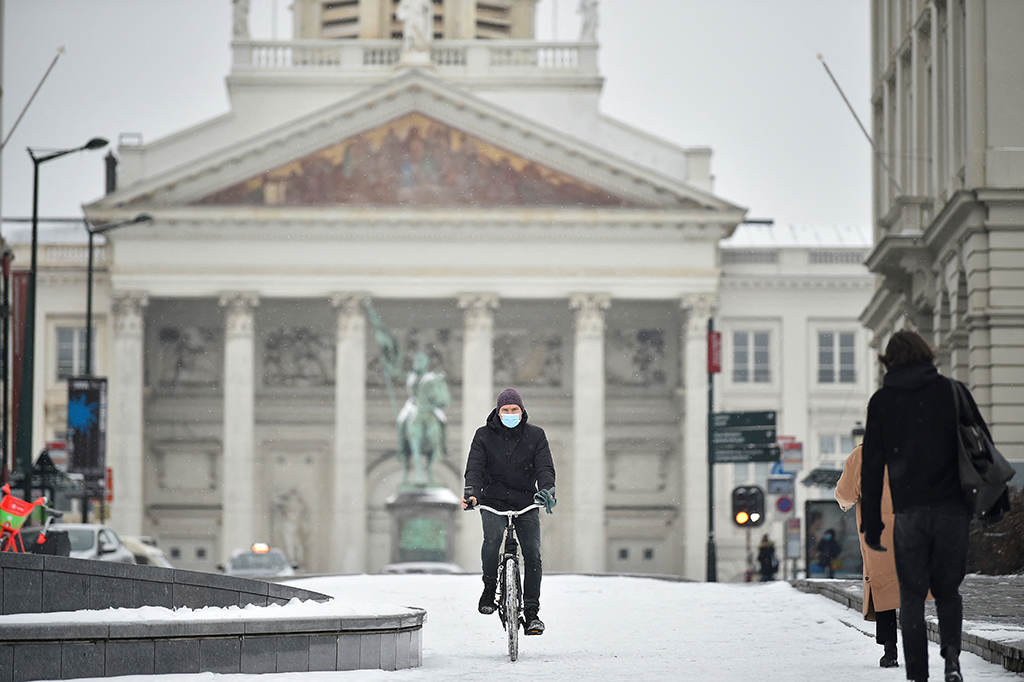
(888, 659)
(534, 625)
(952, 656)
(487, 605)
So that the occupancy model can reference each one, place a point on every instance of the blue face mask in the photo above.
(511, 420)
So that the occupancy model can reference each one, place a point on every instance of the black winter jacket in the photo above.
(911, 427)
(507, 466)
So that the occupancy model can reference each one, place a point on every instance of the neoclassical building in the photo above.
(949, 193)
(474, 193)
(471, 189)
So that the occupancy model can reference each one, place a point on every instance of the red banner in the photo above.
(714, 352)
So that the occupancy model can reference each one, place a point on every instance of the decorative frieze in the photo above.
(523, 357)
(189, 356)
(298, 357)
(636, 357)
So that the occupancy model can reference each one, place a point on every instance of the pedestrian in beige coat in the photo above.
(881, 587)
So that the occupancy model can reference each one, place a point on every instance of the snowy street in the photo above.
(628, 628)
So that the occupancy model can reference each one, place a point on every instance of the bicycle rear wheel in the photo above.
(510, 607)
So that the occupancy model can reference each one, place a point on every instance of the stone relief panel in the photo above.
(189, 357)
(297, 357)
(183, 468)
(295, 521)
(636, 357)
(633, 471)
(522, 357)
(442, 345)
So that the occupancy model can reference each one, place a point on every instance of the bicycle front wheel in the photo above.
(510, 607)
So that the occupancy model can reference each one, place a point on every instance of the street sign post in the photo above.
(738, 437)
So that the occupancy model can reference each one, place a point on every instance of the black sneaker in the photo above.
(534, 625)
(888, 659)
(487, 605)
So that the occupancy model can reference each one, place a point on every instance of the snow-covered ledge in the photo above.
(309, 631)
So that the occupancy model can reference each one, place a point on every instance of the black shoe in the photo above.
(487, 605)
(952, 657)
(534, 625)
(888, 659)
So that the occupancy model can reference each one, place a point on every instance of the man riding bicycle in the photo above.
(509, 468)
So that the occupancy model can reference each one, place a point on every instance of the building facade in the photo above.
(949, 193)
(473, 192)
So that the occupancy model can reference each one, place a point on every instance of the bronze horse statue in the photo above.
(421, 424)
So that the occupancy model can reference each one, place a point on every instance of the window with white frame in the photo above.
(751, 357)
(71, 352)
(834, 447)
(837, 357)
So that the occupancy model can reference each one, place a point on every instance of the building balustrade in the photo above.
(450, 57)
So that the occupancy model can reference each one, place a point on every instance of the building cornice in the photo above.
(389, 224)
(738, 283)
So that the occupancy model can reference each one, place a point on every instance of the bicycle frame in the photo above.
(510, 606)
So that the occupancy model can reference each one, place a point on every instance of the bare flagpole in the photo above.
(878, 154)
(35, 92)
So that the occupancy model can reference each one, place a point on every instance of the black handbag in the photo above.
(984, 472)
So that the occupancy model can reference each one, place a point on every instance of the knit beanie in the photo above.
(510, 397)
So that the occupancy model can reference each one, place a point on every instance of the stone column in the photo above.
(477, 402)
(589, 479)
(694, 486)
(124, 432)
(238, 457)
(348, 535)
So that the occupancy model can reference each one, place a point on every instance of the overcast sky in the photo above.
(740, 76)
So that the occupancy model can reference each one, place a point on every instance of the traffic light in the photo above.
(748, 506)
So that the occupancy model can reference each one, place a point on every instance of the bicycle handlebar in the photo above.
(508, 513)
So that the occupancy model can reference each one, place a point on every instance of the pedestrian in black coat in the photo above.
(911, 428)
(509, 468)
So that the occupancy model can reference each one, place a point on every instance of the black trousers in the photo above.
(931, 554)
(885, 626)
(528, 533)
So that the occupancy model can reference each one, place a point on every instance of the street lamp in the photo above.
(23, 442)
(93, 231)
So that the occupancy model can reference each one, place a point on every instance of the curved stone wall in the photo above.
(246, 644)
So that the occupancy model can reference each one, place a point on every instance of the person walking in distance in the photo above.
(767, 558)
(881, 588)
(509, 468)
(911, 429)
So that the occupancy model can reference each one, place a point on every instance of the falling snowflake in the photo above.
(81, 415)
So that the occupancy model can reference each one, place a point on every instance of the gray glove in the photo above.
(547, 498)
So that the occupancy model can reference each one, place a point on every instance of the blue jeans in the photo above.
(931, 554)
(528, 533)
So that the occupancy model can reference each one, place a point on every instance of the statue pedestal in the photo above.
(423, 524)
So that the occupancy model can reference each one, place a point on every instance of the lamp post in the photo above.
(23, 442)
(93, 231)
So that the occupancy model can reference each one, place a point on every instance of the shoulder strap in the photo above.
(959, 399)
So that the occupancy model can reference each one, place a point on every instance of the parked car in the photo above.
(90, 541)
(145, 551)
(259, 561)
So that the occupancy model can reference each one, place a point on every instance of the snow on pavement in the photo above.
(604, 629)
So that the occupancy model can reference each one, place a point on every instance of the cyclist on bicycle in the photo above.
(509, 468)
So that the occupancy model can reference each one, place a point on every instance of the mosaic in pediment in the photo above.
(413, 161)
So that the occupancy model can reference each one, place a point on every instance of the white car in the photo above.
(94, 541)
(145, 551)
(259, 561)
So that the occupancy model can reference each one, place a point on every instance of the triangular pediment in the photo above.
(416, 161)
(414, 142)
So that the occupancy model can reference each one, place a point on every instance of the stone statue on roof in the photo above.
(417, 17)
(240, 19)
(588, 27)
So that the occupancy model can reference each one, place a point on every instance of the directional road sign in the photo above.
(743, 437)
